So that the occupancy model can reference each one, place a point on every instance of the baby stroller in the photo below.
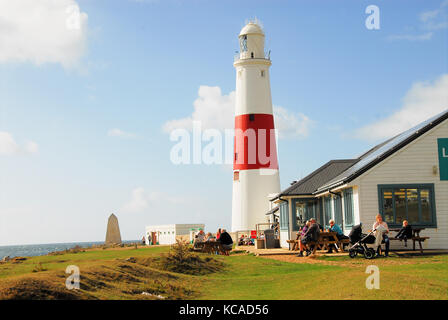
(359, 241)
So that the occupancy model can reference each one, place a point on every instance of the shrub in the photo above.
(182, 260)
(39, 267)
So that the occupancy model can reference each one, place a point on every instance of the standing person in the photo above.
(382, 229)
(405, 233)
(226, 241)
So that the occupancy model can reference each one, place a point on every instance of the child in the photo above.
(405, 233)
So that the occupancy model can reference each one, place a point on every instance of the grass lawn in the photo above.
(105, 274)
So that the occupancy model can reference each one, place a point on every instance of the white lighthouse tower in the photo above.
(255, 169)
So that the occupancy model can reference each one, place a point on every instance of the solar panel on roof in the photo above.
(375, 154)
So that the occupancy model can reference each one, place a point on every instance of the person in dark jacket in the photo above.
(311, 235)
(226, 241)
(405, 233)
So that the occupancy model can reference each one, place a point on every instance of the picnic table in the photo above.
(210, 247)
(415, 237)
(326, 238)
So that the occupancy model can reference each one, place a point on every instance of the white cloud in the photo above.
(291, 125)
(120, 133)
(216, 111)
(421, 102)
(42, 31)
(431, 20)
(9, 147)
(411, 37)
(427, 16)
(31, 147)
(142, 200)
(212, 108)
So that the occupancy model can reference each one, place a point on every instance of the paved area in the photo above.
(284, 251)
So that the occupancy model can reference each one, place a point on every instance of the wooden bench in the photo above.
(293, 245)
(212, 247)
(326, 239)
(415, 238)
(324, 242)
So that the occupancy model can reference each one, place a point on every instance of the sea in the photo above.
(31, 250)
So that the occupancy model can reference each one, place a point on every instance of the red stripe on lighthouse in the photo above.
(254, 145)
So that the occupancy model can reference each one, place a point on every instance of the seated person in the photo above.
(311, 235)
(226, 241)
(340, 235)
(200, 236)
(209, 237)
(300, 234)
(241, 241)
(405, 233)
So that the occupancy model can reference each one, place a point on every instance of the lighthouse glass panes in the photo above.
(243, 43)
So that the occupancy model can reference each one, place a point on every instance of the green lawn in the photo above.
(108, 276)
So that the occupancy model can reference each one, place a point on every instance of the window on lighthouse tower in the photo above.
(243, 43)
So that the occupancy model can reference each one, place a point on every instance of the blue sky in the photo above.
(84, 114)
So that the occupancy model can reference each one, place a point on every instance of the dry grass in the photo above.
(148, 274)
(181, 259)
(158, 273)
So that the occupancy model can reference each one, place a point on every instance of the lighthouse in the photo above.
(255, 164)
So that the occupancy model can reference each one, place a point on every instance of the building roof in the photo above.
(309, 184)
(383, 150)
(273, 210)
(338, 172)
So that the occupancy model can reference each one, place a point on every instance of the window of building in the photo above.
(304, 209)
(415, 203)
(328, 211)
(338, 210)
(251, 117)
(348, 208)
(300, 216)
(284, 216)
(320, 209)
(262, 73)
(236, 176)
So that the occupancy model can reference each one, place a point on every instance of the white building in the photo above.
(255, 169)
(404, 178)
(169, 233)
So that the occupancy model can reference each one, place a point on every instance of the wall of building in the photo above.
(166, 234)
(184, 229)
(412, 164)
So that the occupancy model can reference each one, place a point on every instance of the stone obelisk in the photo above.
(113, 231)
